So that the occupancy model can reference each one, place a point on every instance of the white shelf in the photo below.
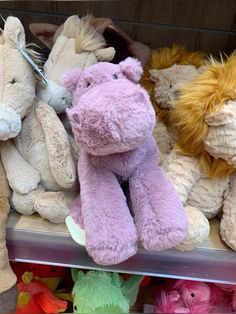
(33, 239)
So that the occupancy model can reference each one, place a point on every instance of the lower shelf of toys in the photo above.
(33, 239)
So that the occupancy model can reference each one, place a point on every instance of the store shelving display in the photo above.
(33, 239)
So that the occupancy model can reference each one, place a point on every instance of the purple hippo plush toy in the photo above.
(112, 120)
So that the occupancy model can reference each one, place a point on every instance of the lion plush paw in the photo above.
(198, 229)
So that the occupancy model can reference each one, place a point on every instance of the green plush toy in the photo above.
(102, 292)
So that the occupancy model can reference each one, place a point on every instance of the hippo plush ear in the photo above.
(71, 78)
(132, 69)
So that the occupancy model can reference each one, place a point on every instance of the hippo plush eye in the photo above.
(75, 308)
(13, 81)
(115, 76)
(88, 84)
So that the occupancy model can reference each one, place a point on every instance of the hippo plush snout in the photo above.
(110, 113)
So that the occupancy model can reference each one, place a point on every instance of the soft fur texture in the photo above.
(44, 144)
(204, 120)
(18, 81)
(102, 292)
(164, 58)
(41, 152)
(205, 95)
(193, 297)
(167, 71)
(112, 118)
(78, 46)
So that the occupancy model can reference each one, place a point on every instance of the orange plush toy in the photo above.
(36, 297)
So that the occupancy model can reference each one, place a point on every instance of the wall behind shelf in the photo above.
(209, 25)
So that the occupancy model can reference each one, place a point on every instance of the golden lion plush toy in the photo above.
(167, 71)
(202, 166)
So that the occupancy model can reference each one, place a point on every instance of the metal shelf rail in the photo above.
(33, 239)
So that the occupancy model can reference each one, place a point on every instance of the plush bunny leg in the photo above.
(8, 292)
(228, 220)
(21, 176)
(110, 231)
(58, 146)
(158, 212)
(24, 203)
(54, 206)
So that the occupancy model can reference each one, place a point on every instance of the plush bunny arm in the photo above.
(159, 215)
(58, 146)
(228, 220)
(22, 177)
(110, 231)
(183, 172)
(163, 139)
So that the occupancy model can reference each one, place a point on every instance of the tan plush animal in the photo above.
(203, 166)
(43, 140)
(17, 85)
(39, 166)
(77, 45)
(167, 71)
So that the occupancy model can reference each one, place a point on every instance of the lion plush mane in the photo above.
(163, 58)
(207, 93)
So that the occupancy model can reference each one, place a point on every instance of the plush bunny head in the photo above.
(111, 113)
(17, 79)
(78, 46)
(168, 82)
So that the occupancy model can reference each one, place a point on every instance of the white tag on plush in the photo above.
(31, 62)
(77, 233)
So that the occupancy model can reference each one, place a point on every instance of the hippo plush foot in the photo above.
(114, 251)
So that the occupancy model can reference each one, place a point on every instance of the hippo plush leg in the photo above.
(158, 212)
(110, 232)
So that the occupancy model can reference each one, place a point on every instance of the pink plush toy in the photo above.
(112, 119)
(193, 297)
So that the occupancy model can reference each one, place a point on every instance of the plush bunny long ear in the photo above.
(44, 32)
(14, 32)
(132, 69)
(71, 78)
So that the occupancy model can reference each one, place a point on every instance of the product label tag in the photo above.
(31, 62)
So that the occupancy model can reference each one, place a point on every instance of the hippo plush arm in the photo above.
(110, 231)
(158, 212)
(58, 146)
(22, 177)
